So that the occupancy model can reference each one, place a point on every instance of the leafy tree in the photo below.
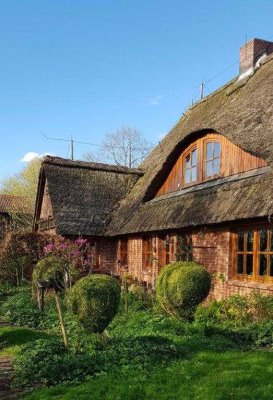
(125, 147)
(24, 184)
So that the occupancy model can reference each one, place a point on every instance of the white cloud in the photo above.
(154, 101)
(31, 155)
(161, 136)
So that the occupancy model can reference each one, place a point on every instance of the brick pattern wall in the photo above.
(107, 249)
(210, 248)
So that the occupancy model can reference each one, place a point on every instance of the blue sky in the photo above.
(87, 67)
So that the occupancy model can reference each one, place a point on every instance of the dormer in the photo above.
(210, 157)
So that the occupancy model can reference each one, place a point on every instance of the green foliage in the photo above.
(19, 252)
(209, 375)
(246, 319)
(181, 286)
(24, 184)
(20, 309)
(141, 351)
(51, 269)
(95, 300)
(139, 298)
(48, 362)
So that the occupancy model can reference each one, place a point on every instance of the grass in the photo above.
(152, 357)
(207, 376)
(12, 338)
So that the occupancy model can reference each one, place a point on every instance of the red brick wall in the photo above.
(210, 248)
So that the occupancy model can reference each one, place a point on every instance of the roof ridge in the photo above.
(64, 162)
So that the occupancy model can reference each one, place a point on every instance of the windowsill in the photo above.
(249, 283)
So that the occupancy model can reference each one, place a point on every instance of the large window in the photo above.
(190, 166)
(253, 254)
(147, 253)
(212, 160)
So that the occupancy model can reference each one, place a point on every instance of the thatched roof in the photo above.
(10, 204)
(83, 194)
(242, 111)
(98, 199)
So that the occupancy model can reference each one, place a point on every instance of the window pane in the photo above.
(187, 176)
(216, 166)
(263, 240)
(240, 241)
(240, 264)
(271, 266)
(262, 268)
(194, 157)
(209, 151)
(188, 161)
(249, 243)
(209, 168)
(216, 149)
(249, 264)
(193, 174)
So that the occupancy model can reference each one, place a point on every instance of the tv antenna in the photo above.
(71, 141)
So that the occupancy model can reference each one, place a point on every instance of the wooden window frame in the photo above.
(147, 253)
(256, 252)
(205, 160)
(165, 250)
(189, 152)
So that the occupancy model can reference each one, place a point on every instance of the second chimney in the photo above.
(251, 52)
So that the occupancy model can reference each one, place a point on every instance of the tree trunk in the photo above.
(59, 309)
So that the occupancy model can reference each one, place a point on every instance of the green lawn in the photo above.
(207, 376)
(151, 357)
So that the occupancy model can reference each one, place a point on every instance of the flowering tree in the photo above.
(79, 255)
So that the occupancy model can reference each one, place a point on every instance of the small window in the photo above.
(123, 253)
(147, 253)
(190, 166)
(212, 164)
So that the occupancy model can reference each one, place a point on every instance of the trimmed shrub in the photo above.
(181, 286)
(19, 254)
(47, 362)
(52, 269)
(95, 300)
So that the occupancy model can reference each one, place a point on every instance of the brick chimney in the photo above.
(251, 52)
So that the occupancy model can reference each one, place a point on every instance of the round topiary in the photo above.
(95, 300)
(181, 286)
(51, 269)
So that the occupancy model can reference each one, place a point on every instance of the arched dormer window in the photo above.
(209, 157)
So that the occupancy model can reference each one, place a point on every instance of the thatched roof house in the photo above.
(209, 180)
(82, 195)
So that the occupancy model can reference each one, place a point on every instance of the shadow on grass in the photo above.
(13, 338)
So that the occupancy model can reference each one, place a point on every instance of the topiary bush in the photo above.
(95, 301)
(181, 286)
(52, 269)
